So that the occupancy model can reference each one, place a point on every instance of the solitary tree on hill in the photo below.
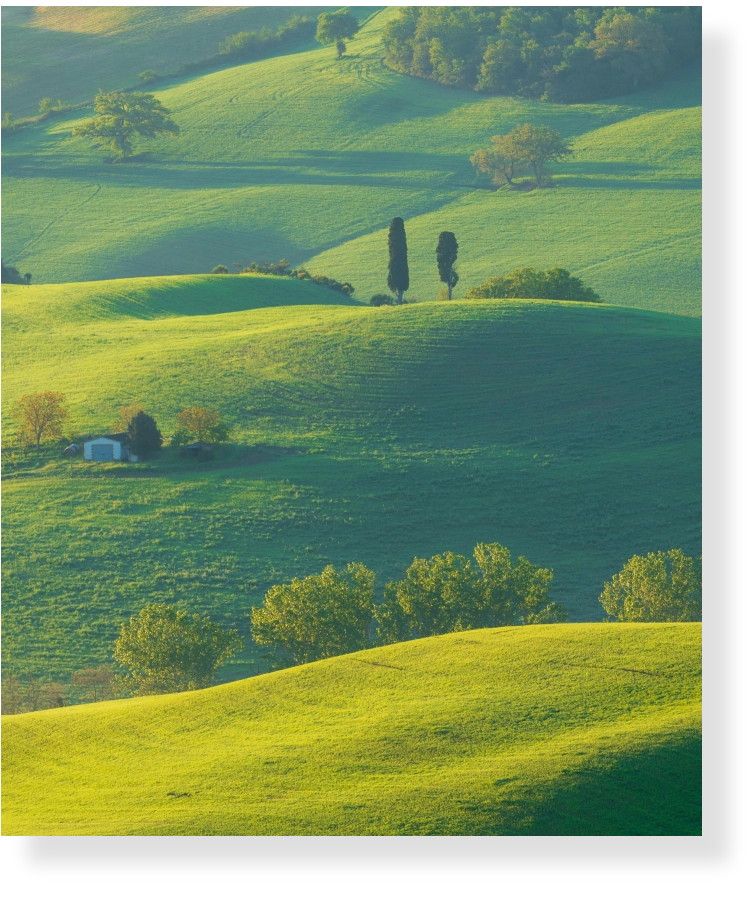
(526, 145)
(397, 272)
(40, 416)
(144, 434)
(447, 254)
(336, 28)
(121, 116)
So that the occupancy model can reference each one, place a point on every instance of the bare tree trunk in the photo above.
(450, 291)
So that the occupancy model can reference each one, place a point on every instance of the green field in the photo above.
(580, 730)
(568, 432)
(308, 157)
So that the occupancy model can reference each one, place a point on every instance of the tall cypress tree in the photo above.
(397, 270)
(447, 254)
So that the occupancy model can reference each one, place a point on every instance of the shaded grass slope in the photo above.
(568, 432)
(583, 729)
(308, 157)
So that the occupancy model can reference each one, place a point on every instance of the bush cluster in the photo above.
(528, 283)
(283, 268)
(255, 44)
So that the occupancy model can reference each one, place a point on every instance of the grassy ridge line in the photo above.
(67, 306)
(294, 156)
(503, 731)
(568, 432)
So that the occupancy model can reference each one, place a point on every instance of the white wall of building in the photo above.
(118, 451)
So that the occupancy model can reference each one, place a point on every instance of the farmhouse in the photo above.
(109, 447)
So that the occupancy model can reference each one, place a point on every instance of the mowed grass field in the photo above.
(569, 432)
(575, 729)
(308, 157)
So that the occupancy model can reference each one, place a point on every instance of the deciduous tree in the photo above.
(336, 28)
(200, 424)
(94, 682)
(164, 649)
(125, 414)
(122, 116)
(447, 593)
(40, 416)
(319, 616)
(660, 587)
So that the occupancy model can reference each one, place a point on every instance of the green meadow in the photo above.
(572, 729)
(306, 157)
(568, 432)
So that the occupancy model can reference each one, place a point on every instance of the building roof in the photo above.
(120, 437)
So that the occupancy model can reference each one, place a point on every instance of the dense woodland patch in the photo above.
(564, 54)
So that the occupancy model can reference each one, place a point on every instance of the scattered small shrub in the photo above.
(381, 300)
(220, 270)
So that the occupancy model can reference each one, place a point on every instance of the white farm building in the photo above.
(107, 448)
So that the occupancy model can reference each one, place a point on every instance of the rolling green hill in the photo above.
(308, 157)
(568, 432)
(581, 730)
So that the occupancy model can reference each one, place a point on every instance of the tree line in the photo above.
(563, 54)
(164, 649)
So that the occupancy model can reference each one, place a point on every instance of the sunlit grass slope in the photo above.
(568, 432)
(588, 729)
(308, 157)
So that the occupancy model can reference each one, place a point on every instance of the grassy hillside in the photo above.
(308, 157)
(568, 432)
(71, 52)
(591, 729)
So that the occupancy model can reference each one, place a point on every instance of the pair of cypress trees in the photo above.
(397, 272)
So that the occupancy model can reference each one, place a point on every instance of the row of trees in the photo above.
(526, 147)
(336, 613)
(26, 693)
(284, 268)
(397, 271)
(165, 649)
(564, 54)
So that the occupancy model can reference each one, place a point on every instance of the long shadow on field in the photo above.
(367, 169)
(656, 792)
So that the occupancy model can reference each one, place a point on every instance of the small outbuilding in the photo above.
(107, 448)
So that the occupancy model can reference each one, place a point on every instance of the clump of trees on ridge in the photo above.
(284, 268)
(563, 54)
(528, 283)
